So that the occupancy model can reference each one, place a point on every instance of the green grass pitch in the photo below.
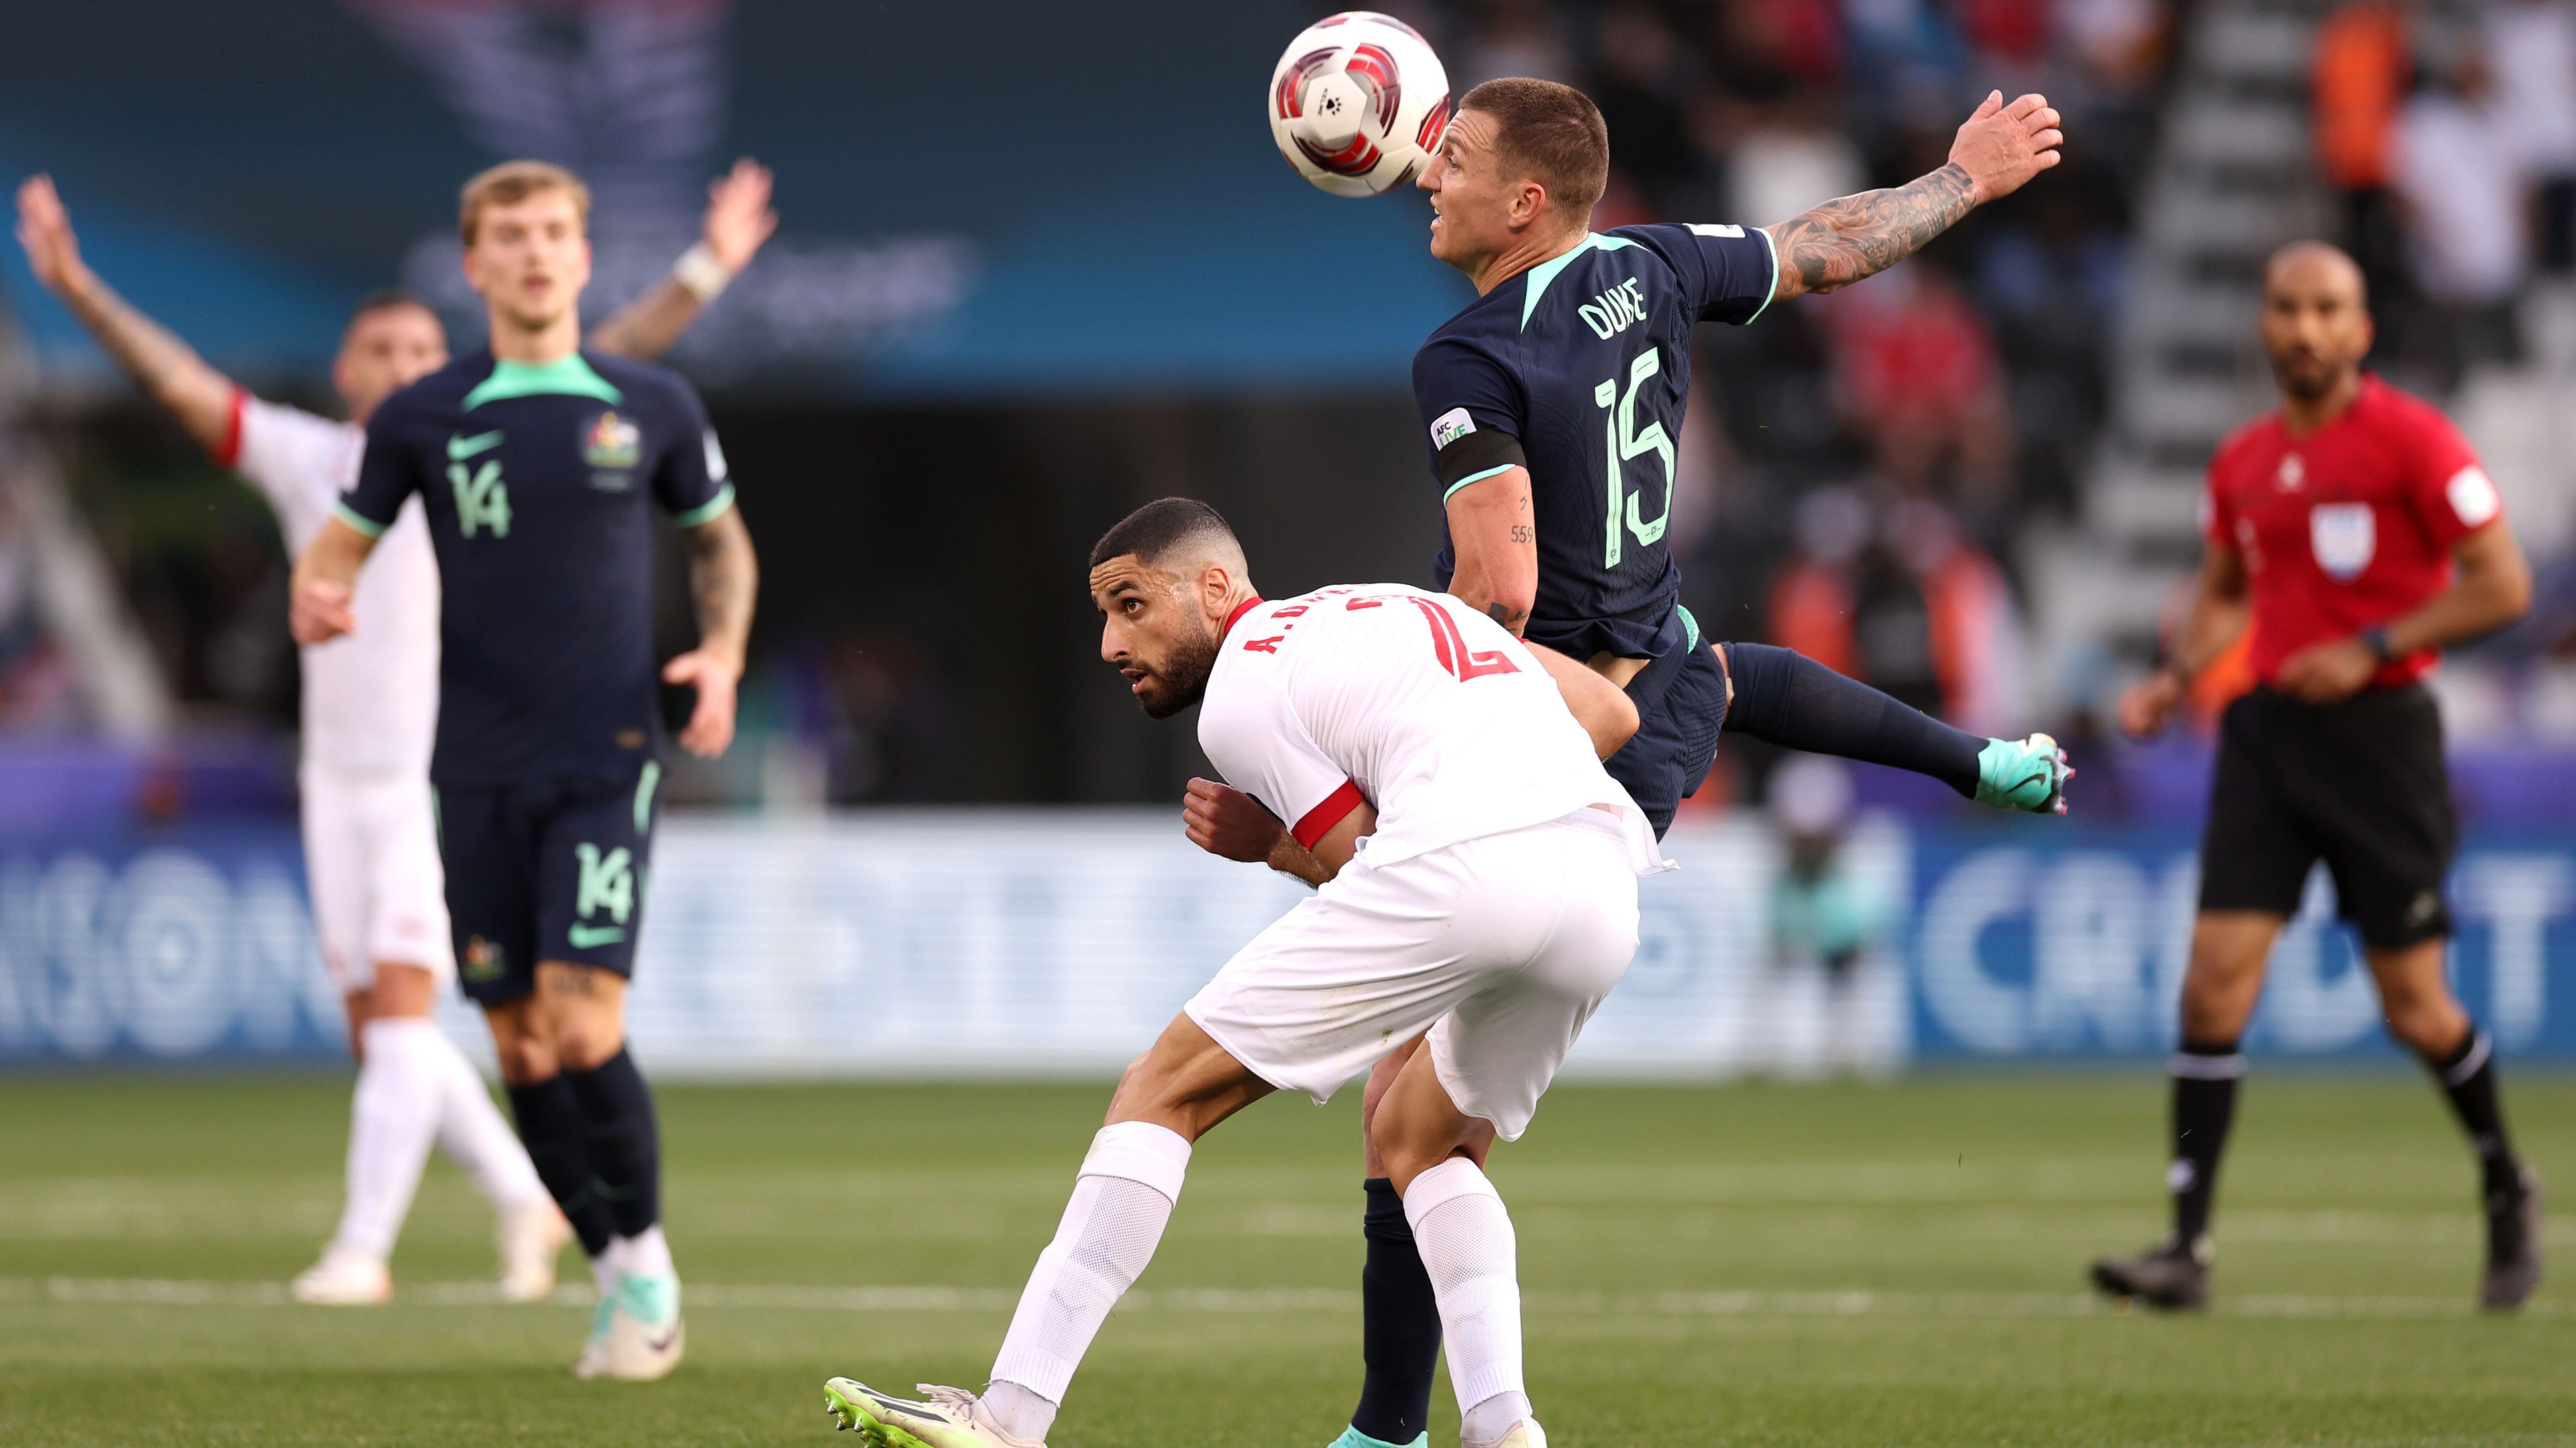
(1893, 1264)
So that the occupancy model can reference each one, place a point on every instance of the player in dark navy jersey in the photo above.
(1554, 406)
(541, 468)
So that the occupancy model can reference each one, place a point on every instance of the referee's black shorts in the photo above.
(2360, 785)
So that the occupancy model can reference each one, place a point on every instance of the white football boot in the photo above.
(343, 1279)
(1524, 1434)
(645, 1335)
(953, 1418)
(529, 1236)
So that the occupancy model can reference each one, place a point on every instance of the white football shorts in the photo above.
(1501, 946)
(371, 861)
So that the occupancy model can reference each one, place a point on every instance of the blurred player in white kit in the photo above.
(370, 710)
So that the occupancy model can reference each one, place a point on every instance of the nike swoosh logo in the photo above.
(663, 1343)
(585, 937)
(461, 448)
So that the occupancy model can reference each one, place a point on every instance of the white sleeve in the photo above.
(292, 457)
(1254, 738)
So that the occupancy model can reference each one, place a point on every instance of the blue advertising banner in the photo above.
(1034, 942)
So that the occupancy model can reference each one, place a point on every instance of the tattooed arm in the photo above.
(1496, 541)
(1997, 150)
(723, 577)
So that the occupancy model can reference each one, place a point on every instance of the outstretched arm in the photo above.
(724, 576)
(162, 365)
(738, 221)
(1997, 150)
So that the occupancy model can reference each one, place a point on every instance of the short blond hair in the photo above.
(512, 182)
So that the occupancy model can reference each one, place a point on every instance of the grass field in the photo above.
(1850, 1264)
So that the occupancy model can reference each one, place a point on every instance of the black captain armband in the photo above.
(1474, 455)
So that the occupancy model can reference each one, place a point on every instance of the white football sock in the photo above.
(646, 1254)
(474, 1134)
(1469, 1249)
(605, 1268)
(392, 1118)
(1121, 1199)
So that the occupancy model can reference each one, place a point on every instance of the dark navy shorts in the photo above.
(545, 871)
(1681, 709)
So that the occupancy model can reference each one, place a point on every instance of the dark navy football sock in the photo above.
(625, 1141)
(558, 1143)
(1783, 697)
(1400, 1325)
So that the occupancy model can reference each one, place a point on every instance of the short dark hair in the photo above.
(1154, 530)
(1553, 133)
(385, 299)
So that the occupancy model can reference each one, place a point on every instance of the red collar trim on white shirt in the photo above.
(1240, 609)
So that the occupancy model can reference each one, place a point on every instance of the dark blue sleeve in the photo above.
(387, 473)
(1472, 407)
(1727, 273)
(690, 481)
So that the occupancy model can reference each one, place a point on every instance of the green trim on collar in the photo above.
(567, 376)
(358, 520)
(1538, 277)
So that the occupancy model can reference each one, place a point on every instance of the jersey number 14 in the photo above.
(1626, 442)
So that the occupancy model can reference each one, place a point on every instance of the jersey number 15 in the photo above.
(1627, 442)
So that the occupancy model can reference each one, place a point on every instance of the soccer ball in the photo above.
(1359, 103)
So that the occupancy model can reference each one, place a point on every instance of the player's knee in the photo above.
(586, 1042)
(2427, 1021)
(525, 1060)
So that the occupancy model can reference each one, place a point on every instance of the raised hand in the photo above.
(45, 230)
(2002, 146)
(739, 218)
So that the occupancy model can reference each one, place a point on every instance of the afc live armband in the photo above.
(1469, 454)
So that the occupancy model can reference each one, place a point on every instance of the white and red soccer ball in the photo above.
(1359, 103)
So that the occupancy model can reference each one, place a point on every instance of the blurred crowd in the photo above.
(2448, 136)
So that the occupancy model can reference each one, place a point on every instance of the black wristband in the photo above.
(2375, 639)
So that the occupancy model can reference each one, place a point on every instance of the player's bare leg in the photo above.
(2229, 951)
(2415, 997)
(1179, 1090)
(1434, 1153)
(589, 1126)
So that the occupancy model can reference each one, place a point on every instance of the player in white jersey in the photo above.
(1478, 881)
(370, 709)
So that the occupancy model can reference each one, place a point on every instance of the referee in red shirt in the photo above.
(2354, 531)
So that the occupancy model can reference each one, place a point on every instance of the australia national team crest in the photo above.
(2344, 536)
(612, 446)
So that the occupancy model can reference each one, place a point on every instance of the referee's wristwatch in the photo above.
(2375, 639)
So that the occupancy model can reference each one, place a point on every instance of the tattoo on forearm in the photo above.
(1853, 237)
(723, 577)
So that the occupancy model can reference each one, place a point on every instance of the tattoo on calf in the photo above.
(1853, 237)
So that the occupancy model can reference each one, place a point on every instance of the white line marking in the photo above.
(171, 1292)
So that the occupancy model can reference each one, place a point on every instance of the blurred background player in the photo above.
(2354, 533)
(1824, 916)
(538, 464)
(370, 707)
